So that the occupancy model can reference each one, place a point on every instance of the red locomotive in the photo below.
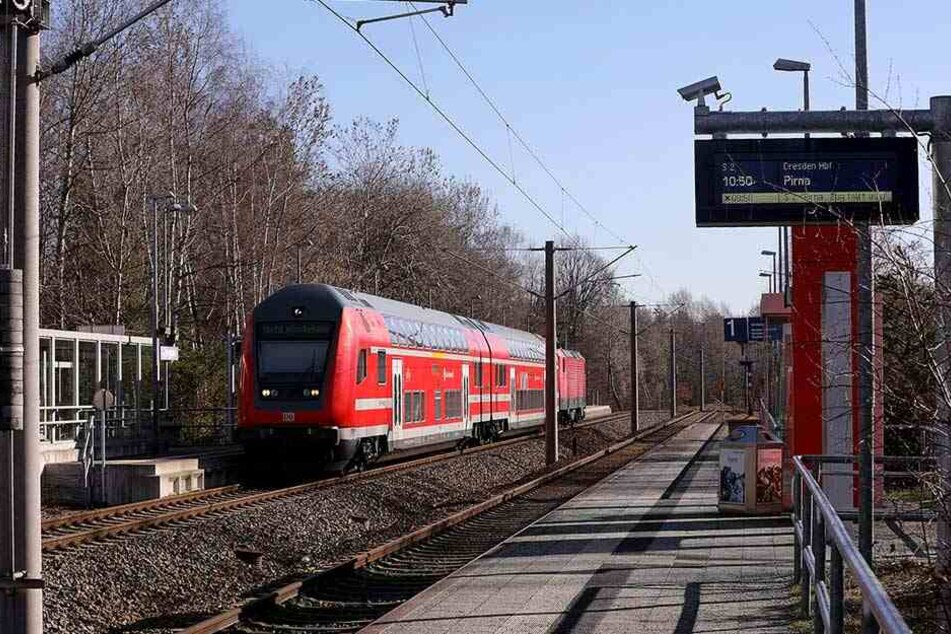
(337, 377)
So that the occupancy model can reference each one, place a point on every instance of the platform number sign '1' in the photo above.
(736, 329)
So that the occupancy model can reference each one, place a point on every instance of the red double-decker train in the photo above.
(338, 378)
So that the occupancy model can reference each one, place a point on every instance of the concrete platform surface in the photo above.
(643, 551)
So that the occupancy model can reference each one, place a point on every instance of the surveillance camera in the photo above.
(700, 89)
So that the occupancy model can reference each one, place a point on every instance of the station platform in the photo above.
(645, 551)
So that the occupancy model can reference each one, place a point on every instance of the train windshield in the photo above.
(292, 361)
(293, 352)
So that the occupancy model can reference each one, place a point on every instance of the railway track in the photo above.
(80, 528)
(356, 592)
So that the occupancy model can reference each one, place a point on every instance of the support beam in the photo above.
(792, 122)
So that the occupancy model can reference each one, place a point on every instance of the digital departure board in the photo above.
(762, 182)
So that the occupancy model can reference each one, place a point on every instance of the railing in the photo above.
(62, 423)
(177, 428)
(199, 427)
(769, 421)
(818, 527)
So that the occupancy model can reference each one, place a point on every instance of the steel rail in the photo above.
(110, 512)
(232, 616)
(817, 525)
(80, 534)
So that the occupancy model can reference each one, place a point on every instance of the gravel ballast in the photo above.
(171, 577)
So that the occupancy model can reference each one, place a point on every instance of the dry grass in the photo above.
(912, 587)
(910, 584)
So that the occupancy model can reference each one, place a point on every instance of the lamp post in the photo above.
(775, 280)
(172, 203)
(768, 275)
(792, 66)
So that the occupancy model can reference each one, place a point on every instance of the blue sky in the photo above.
(592, 87)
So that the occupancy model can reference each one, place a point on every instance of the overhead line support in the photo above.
(551, 414)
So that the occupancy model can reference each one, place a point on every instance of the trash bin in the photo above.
(751, 471)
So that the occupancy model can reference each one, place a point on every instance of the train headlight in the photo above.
(268, 392)
(312, 393)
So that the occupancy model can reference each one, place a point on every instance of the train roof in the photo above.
(403, 310)
(333, 300)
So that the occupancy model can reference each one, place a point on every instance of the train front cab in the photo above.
(293, 361)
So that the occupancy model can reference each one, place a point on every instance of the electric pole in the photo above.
(866, 347)
(673, 373)
(635, 396)
(21, 599)
(703, 384)
(551, 415)
(941, 153)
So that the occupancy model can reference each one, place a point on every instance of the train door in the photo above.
(465, 397)
(397, 423)
(512, 404)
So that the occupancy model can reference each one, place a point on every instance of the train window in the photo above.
(361, 365)
(453, 400)
(500, 375)
(420, 335)
(437, 405)
(478, 374)
(414, 409)
(404, 330)
(381, 367)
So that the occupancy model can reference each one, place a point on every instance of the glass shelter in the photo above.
(76, 365)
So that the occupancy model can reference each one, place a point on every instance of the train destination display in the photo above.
(761, 182)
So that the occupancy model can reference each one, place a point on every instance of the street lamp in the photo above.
(769, 275)
(792, 66)
(173, 204)
(772, 254)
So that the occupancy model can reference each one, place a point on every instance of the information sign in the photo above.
(775, 332)
(757, 329)
(735, 329)
(762, 182)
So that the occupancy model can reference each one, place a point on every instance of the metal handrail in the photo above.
(817, 525)
(770, 420)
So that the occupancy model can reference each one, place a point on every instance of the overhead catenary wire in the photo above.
(489, 271)
(88, 48)
(419, 57)
(513, 132)
(595, 273)
(448, 119)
